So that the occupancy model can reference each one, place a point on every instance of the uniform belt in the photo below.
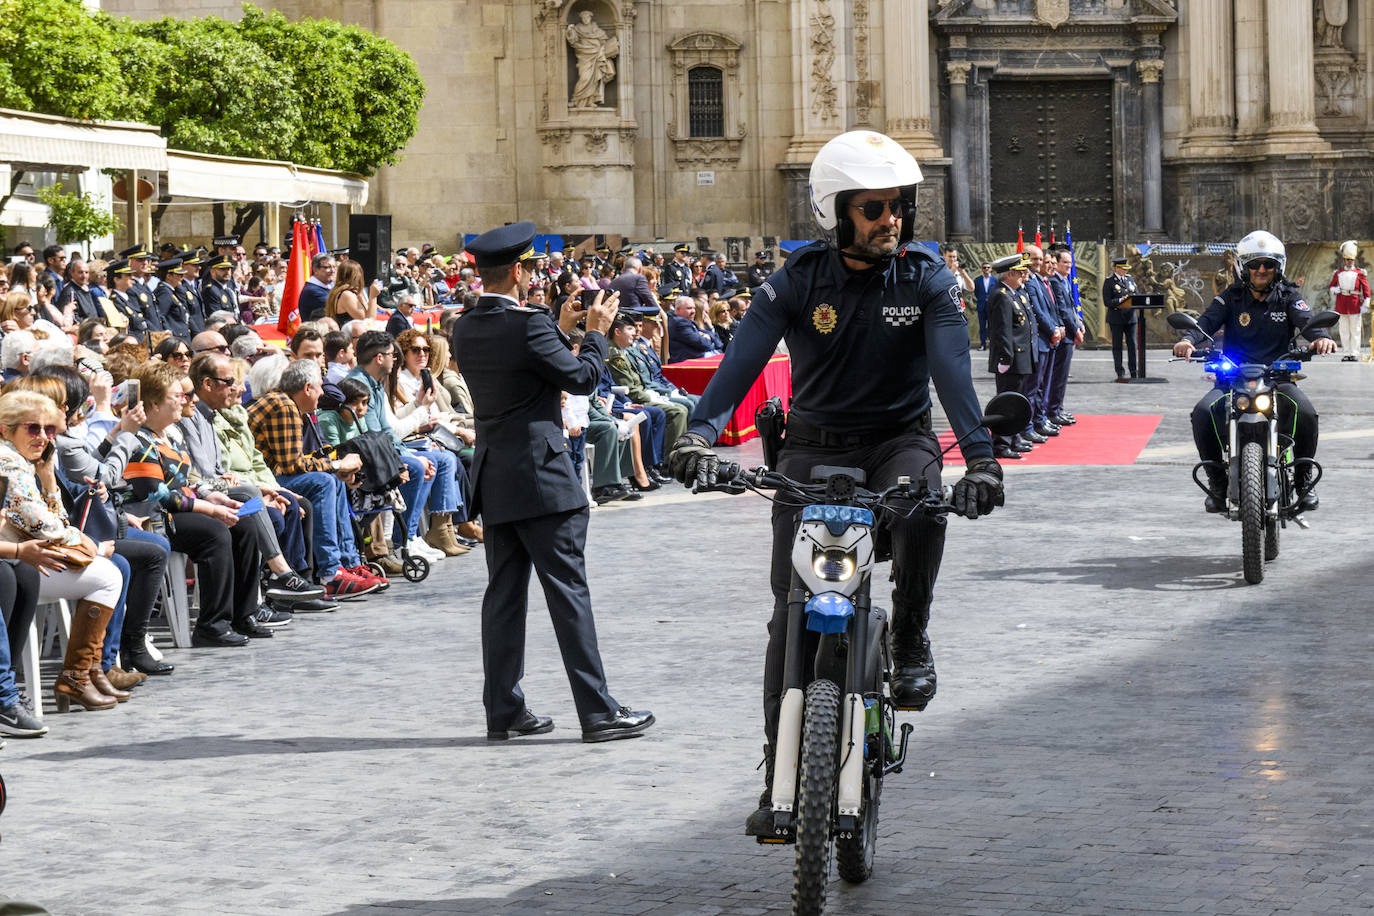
(801, 432)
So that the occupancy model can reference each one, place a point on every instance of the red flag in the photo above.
(1037, 235)
(1020, 241)
(289, 316)
(1051, 233)
(312, 239)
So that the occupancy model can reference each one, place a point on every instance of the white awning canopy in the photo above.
(226, 178)
(49, 143)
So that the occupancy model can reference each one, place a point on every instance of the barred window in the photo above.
(706, 102)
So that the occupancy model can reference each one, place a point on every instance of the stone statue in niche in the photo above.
(595, 51)
(1331, 19)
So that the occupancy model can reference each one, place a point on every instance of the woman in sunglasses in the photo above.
(174, 351)
(33, 511)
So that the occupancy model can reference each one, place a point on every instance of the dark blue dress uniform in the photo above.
(517, 364)
(216, 297)
(171, 302)
(1011, 332)
(676, 275)
(865, 346)
(1116, 293)
(1255, 331)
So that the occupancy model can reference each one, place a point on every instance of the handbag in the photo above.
(75, 556)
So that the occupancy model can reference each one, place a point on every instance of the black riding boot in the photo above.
(1302, 479)
(1216, 490)
(913, 677)
(760, 822)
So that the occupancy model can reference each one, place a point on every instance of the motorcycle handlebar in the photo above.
(733, 479)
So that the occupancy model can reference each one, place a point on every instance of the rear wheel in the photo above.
(1271, 539)
(1252, 511)
(816, 796)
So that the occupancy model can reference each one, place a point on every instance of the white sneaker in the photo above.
(419, 548)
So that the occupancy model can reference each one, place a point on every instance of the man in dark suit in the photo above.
(719, 279)
(1062, 285)
(982, 288)
(517, 363)
(323, 268)
(1011, 329)
(1048, 333)
(633, 287)
(1121, 318)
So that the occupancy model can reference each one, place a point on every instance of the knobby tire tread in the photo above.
(816, 797)
(1252, 511)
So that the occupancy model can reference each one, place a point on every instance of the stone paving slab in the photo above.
(1122, 727)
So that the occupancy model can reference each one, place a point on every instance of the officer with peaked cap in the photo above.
(192, 259)
(1011, 339)
(119, 278)
(1121, 318)
(173, 302)
(517, 363)
(217, 293)
(678, 271)
(138, 259)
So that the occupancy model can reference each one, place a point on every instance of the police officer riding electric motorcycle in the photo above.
(1259, 315)
(870, 320)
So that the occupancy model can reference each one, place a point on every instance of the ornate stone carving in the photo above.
(711, 49)
(823, 92)
(1338, 79)
(1150, 70)
(595, 142)
(958, 71)
(1213, 213)
(863, 89)
(594, 50)
(1298, 203)
(546, 8)
(555, 139)
(706, 152)
(1052, 13)
(907, 125)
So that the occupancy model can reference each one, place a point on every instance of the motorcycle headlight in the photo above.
(1262, 403)
(1242, 402)
(833, 565)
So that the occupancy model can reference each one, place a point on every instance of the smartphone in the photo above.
(4, 489)
(589, 297)
(126, 394)
(426, 379)
(48, 451)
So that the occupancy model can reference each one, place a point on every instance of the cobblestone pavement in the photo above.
(1122, 725)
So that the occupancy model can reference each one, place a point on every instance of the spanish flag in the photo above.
(297, 271)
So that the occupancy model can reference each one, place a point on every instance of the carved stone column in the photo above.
(819, 64)
(958, 73)
(1211, 106)
(1252, 67)
(906, 76)
(1292, 83)
(1152, 211)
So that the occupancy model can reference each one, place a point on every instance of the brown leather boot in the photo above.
(102, 683)
(125, 679)
(440, 537)
(470, 530)
(83, 653)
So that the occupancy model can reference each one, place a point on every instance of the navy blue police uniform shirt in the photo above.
(864, 346)
(1257, 330)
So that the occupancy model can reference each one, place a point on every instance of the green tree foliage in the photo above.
(315, 92)
(77, 217)
(362, 93)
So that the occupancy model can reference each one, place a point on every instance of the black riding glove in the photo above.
(979, 491)
(692, 463)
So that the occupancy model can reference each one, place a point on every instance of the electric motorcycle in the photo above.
(1261, 489)
(837, 731)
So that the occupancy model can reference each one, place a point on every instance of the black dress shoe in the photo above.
(653, 485)
(211, 640)
(1034, 438)
(142, 661)
(1046, 429)
(526, 724)
(1063, 419)
(623, 723)
(1006, 453)
(1021, 445)
(253, 630)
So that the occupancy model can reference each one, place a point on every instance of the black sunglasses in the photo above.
(1264, 264)
(874, 209)
(223, 349)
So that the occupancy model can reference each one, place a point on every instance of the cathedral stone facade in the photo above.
(1190, 120)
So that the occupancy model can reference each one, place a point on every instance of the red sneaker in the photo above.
(367, 575)
(346, 585)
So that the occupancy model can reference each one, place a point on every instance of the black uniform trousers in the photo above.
(1297, 419)
(1124, 334)
(918, 544)
(1030, 387)
(553, 546)
(228, 590)
(1009, 381)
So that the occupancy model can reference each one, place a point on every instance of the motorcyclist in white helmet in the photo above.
(870, 320)
(1258, 316)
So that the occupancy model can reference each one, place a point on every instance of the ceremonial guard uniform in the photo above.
(1350, 293)
(517, 363)
(1116, 293)
(191, 262)
(1011, 345)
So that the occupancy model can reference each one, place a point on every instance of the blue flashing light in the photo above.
(1288, 365)
(828, 612)
(838, 518)
(1221, 366)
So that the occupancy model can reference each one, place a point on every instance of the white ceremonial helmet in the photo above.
(860, 160)
(1259, 245)
(1350, 250)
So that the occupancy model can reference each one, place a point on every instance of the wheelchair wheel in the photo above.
(415, 569)
(376, 569)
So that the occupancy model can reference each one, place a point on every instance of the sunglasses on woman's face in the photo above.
(34, 430)
(424, 350)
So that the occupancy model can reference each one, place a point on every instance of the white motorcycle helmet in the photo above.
(1259, 245)
(860, 160)
(1350, 250)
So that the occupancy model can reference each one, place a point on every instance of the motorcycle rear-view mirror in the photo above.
(1181, 321)
(1320, 321)
(1007, 413)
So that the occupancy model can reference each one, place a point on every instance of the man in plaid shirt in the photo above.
(287, 434)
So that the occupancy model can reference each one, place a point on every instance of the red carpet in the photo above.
(1094, 439)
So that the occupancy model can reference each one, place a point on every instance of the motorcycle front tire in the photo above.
(816, 796)
(1252, 511)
